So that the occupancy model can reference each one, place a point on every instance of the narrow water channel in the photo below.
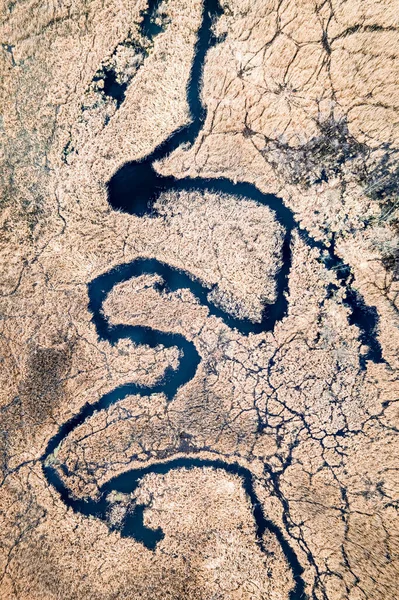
(134, 189)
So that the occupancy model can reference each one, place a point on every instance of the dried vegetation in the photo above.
(302, 100)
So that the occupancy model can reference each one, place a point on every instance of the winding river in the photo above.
(134, 189)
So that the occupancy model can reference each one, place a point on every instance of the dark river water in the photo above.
(134, 189)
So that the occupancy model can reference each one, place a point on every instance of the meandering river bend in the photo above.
(134, 189)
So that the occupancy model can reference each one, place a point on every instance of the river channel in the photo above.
(134, 189)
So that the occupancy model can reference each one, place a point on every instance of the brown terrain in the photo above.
(302, 101)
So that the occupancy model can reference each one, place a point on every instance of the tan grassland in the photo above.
(302, 100)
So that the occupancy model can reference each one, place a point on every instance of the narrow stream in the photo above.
(134, 189)
(173, 280)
